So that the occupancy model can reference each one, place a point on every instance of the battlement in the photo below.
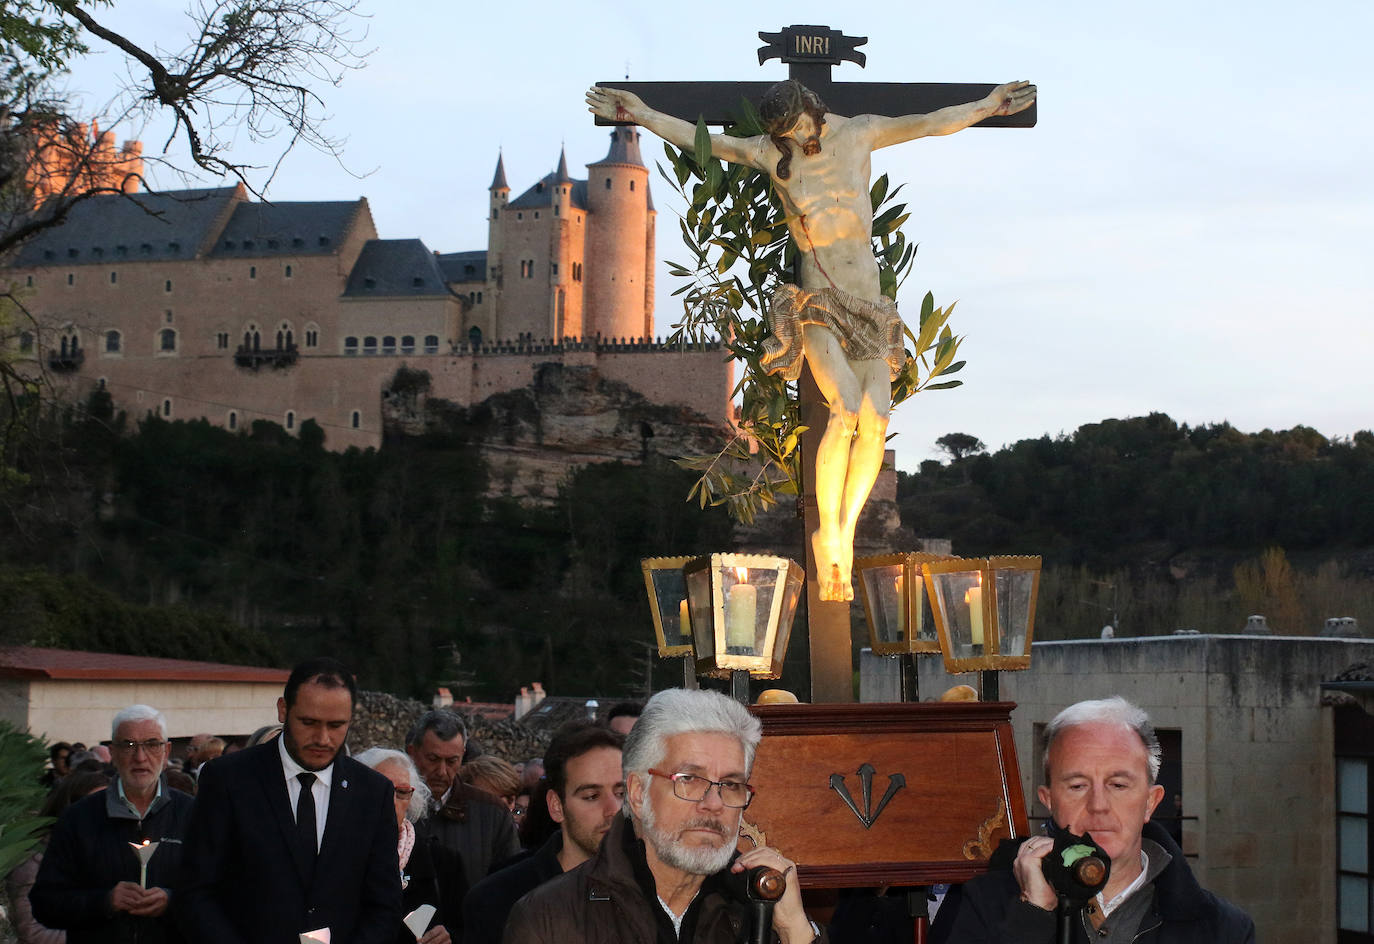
(595, 345)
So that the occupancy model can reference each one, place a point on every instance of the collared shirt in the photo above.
(1109, 906)
(319, 790)
(127, 802)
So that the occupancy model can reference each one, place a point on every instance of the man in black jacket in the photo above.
(91, 881)
(1101, 761)
(291, 836)
(586, 789)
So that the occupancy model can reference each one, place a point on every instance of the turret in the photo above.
(500, 194)
(618, 256)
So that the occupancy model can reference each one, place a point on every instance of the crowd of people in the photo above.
(622, 832)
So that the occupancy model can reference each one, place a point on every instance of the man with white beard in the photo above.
(668, 871)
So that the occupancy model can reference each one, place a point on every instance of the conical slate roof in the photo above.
(560, 176)
(498, 182)
(624, 147)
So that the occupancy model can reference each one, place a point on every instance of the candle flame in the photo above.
(741, 574)
(967, 595)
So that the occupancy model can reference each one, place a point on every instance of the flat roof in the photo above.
(32, 662)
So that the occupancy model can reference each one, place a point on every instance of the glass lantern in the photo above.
(984, 611)
(741, 608)
(898, 608)
(667, 589)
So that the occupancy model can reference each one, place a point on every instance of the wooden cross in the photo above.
(811, 52)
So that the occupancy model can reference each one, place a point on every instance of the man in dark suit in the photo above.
(251, 870)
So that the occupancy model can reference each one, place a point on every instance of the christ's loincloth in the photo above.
(867, 330)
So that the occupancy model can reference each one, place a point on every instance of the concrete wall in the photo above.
(1258, 765)
(81, 710)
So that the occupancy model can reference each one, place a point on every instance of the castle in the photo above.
(208, 304)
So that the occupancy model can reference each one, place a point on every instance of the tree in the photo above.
(959, 445)
(249, 65)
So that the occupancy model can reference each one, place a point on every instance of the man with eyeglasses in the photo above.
(668, 870)
(91, 882)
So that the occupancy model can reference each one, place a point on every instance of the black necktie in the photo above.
(305, 814)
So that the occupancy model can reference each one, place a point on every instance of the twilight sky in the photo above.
(1182, 232)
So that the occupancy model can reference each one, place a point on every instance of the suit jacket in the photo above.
(245, 878)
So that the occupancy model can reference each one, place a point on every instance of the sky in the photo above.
(1182, 232)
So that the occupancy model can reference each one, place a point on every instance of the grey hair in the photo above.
(136, 713)
(446, 726)
(1114, 710)
(375, 757)
(683, 711)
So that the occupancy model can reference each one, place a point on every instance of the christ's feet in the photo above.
(831, 562)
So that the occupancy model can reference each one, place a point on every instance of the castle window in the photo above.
(121, 250)
(25, 341)
(166, 408)
(288, 272)
(472, 296)
(168, 315)
(539, 187)
(167, 340)
(407, 344)
(271, 244)
(97, 252)
(479, 298)
(632, 186)
(100, 383)
(324, 241)
(351, 346)
(252, 272)
(417, 282)
(369, 282)
(467, 270)
(494, 213)
(48, 254)
(608, 183)
(146, 249)
(290, 419)
(71, 279)
(536, 214)
(519, 216)
(248, 244)
(167, 285)
(389, 344)
(111, 342)
(369, 346)
(297, 242)
(222, 341)
(312, 337)
(431, 344)
(174, 247)
(475, 336)
(233, 420)
(114, 277)
(555, 268)
(228, 244)
(28, 281)
(357, 420)
(555, 209)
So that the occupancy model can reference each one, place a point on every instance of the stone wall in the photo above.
(382, 720)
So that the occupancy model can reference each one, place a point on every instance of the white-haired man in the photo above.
(667, 870)
(89, 882)
(1101, 763)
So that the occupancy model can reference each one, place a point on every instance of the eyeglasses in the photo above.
(694, 789)
(404, 793)
(150, 746)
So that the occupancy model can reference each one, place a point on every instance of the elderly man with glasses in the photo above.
(668, 869)
(91, 881)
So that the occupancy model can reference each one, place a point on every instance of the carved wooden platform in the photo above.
(878, 794)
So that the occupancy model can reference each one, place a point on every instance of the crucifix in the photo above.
(833, 330)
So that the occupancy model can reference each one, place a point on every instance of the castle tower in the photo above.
(484, 315)
(619, 258)
(566, 246)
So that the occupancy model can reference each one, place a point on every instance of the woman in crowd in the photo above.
(27, 930)
(430, 874)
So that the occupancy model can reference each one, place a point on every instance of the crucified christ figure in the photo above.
(837, 317)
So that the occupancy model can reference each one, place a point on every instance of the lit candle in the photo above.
(684, 622)
(741, 610)
(144, 850)
(901, 606)
(974, 598)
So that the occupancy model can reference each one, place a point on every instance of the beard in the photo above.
(694, 860)
(811, 146)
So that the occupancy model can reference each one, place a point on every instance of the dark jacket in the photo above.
(247, 880)
(487, 906)
(433, 876)
(89, 854)
(611, 899)
(475, 826)
(988, 909)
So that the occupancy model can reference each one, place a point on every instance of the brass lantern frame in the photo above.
(993, 658)
(912, 564)
(718, 662)
(652, 566)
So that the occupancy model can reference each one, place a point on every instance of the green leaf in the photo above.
(878, 193)
(702, 145)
